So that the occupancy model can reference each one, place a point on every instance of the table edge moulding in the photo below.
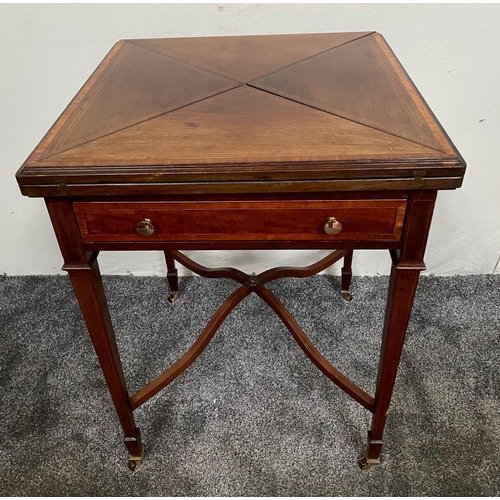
(305, 141)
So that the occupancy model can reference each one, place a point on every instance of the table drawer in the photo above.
(241, 221)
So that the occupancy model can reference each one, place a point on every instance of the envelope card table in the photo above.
(309, 141)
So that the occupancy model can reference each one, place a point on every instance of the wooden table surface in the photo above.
(335, 106)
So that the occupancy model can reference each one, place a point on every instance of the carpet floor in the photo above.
(252, 416)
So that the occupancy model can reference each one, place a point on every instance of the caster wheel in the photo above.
(346, 295)
(134, 465)
(172, 297)
(365, 463)
(134, 462)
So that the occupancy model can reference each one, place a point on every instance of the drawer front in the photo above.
(241, 221)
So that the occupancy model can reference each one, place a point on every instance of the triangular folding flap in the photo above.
(138, 85)
(246, 57)
(240, 126)
(355, 81)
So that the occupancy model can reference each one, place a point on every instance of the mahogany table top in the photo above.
(331, 106)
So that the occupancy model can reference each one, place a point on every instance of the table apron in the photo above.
(243, 245)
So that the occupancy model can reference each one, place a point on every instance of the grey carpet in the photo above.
(252, 416)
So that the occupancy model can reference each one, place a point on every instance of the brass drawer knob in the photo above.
(145, 227)
(332, 226)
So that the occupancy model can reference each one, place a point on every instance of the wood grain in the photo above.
(136, 86)
(243, 125)
(185, 221)
(334, 106)
(244, 58)
(355, 81)
(444, 141)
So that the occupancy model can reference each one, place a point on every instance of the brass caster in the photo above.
(365, 463)
(172, 297)
(135, 462)
(346, 295)
(134, 465)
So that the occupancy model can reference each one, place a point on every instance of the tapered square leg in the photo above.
(347, 277)
(405, 271)
(172, 277)
(87, 284)
(402, 287)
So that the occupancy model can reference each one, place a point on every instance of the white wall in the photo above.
(450, 50)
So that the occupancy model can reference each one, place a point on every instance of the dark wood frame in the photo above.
(80, 261)
(108, 180)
